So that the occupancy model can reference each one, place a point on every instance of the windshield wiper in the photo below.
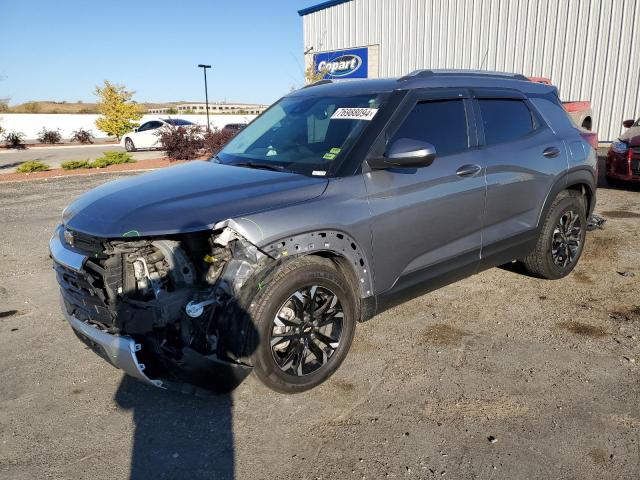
(261, 165)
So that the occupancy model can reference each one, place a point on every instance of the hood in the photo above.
(186, 198)
(631, 136)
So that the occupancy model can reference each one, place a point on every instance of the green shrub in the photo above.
(75, 164)
(32, 166)
(112, 157)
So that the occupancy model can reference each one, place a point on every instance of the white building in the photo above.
(231, 108)
(590, 49)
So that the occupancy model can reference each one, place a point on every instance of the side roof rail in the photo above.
(460, 73)
(319, 82)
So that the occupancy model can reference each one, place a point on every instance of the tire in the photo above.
(615, 183)
(288, 349)
(129, 146)
(560, 244)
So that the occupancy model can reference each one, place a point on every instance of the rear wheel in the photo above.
(562, 238)
(305, 318)
(129, 146)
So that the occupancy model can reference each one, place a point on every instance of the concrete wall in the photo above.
(589, 48)
(31, 123)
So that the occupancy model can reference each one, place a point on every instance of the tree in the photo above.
(119, 113)
(172, 111)
(311, 75)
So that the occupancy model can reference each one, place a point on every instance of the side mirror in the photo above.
(405, 153)
(628, 123)
(135, 129)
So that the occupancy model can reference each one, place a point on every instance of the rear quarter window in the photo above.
(554, 115)
(505, 120)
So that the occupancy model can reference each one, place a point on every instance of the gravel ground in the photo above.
(498, 376)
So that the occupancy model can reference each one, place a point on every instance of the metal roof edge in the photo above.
(320, 6)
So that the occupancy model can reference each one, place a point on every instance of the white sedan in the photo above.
(146, 135)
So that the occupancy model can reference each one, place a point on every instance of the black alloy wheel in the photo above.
(306, 330)
(567, 239)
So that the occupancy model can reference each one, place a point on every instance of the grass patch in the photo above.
(108, 158)
(75, 164)
(112, 157)
(32, 166)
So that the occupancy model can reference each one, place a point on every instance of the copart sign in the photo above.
(352, 63)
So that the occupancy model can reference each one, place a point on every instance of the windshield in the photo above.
(302, 134)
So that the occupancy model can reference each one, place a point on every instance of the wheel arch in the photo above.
(580, 180)
(584, 190)
(335, 245)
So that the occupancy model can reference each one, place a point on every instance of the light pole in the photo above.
(206, 93)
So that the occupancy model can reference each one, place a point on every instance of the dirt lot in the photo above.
(549, 370)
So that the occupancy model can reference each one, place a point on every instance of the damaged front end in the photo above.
(168, 310)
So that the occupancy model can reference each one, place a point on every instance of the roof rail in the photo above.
(319, 82)
(463, 73)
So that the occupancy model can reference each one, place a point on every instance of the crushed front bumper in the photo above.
(79, 297)
(119, 351)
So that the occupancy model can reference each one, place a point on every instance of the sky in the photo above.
(60, 50)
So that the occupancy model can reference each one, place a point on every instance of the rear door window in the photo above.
(442, 123)
(505, 120)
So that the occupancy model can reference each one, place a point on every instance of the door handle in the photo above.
(468, 170)
(551, 152)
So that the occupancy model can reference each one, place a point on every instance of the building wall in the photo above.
(30, 124)
(589, 48)
(246, 108)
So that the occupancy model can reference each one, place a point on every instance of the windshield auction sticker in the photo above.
(354, 114)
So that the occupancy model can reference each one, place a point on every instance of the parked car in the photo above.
(623, 157)
(146, 135)
(341, 200)
(580, 110)
(233, 127)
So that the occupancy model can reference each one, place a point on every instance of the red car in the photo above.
(623, 158)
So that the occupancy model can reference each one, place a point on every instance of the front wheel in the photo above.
(615, 183)
(562, 238)
(304, 318)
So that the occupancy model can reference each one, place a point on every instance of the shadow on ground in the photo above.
(11, 165)
(178, 436)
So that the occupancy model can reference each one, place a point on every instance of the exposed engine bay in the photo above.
(177, 297)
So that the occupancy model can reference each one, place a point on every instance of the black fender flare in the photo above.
(580, 176)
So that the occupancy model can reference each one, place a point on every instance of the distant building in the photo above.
(236, 108)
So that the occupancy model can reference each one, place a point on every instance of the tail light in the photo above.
(591, 138)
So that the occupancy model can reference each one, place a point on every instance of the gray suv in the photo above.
(339, 201)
